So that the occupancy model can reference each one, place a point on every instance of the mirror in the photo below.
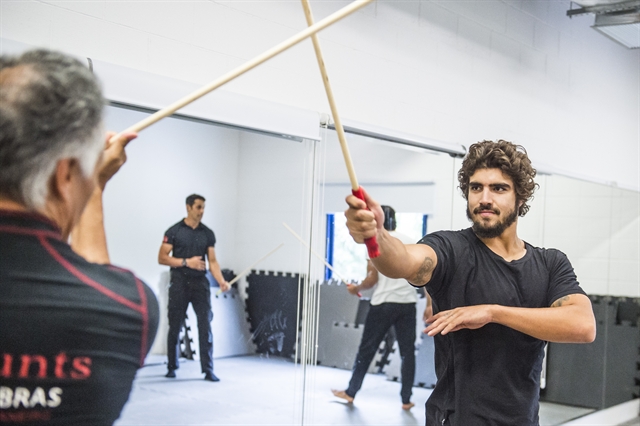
(252, 184)
(418, 184)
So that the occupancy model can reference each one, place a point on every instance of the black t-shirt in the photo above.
(188, 242)
(490, 376)
(72, 333)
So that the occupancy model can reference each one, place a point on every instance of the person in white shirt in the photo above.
(393, 304)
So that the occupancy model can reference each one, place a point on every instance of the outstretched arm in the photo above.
(88, 238)
(413, 262)
(570, 319)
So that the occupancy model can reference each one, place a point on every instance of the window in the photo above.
(350, 259)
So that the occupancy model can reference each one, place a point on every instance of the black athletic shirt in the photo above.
(490, 376)
(72, 333)
(188, 242)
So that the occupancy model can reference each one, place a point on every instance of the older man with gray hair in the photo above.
(74, 328)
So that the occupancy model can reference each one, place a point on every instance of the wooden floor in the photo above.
(256, 390)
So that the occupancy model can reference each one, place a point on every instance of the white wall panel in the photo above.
(588, 83)
(274, 186)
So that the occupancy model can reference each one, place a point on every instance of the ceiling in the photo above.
(618, 20)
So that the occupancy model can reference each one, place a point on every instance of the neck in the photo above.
(191, 222)
(50, 212)
(508, 244)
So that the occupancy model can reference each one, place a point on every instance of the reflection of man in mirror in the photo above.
(497, 300)
(184, 248)
(393, 304)
(73, 329)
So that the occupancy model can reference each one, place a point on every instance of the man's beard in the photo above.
(491, 231)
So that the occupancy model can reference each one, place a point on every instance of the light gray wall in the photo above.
(449, 70)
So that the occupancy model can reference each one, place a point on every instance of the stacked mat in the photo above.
(272, 307)
(605, 372)
(338, 335)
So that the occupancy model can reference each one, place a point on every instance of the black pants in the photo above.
(182, 290)
(379, 319)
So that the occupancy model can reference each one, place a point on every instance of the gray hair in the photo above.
(50, 108)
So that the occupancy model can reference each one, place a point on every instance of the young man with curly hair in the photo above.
(497, 300)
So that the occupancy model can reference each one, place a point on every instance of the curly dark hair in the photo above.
(512, 159)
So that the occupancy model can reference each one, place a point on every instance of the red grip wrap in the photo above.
(371, 243)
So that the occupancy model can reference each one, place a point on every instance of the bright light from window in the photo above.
(410, 224)
(350, 259)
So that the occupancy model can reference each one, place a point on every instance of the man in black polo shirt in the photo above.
(184, 248)
(73, 329)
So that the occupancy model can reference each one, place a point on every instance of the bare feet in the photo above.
(408, 406)
(343, 395)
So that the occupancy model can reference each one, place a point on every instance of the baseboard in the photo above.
(609, 416)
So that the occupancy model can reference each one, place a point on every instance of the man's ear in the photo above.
(61, 182)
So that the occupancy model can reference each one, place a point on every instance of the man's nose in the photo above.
(485, 196)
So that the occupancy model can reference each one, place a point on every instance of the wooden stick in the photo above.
(292, 41)
(250, 267)
(327, 264)
(372, 244)
(332, 103)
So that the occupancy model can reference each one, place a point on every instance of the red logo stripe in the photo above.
(33, 232)
(88, 281)
(145, 320)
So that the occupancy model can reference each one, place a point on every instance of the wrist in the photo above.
(494, 313)
(184, 263)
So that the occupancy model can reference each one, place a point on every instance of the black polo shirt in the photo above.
(72, 333)
(188, 242)
(490, 375)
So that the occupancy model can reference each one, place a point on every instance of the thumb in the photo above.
(375, 208)
(122, 138)
(367, 199)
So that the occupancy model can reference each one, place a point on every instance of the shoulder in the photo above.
(114, 276)
(552, 257)
(402, 237)
(175, 227)
(117, 284)
(206, 229)
(448, 237)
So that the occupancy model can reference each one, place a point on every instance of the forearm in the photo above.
(174, 262)
(367, 283)
(214, 268)
(88, 238)
(370, 280)
(565, 324)
(393, 261)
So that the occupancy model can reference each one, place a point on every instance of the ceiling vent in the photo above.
(620, 21)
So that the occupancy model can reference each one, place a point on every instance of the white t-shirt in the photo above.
(391, 290)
